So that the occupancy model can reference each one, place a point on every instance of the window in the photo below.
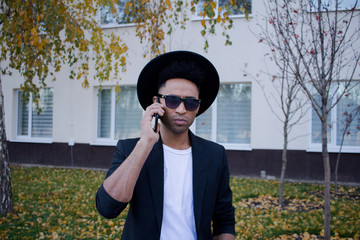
(32, 123)
(330, 5)
(119, 114)
(237, 9)
(345, 109)
(228, 120)
(107, 19)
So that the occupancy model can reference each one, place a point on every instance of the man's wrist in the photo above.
(144, 143)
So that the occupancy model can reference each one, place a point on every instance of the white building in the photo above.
(80, 127)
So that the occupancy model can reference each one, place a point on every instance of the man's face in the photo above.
(179, 119)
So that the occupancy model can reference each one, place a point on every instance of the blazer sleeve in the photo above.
(107, 206)
(224, 214)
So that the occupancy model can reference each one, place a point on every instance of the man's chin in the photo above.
(179, 129)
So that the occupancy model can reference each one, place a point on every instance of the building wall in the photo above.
(302, 165)
(75, 108)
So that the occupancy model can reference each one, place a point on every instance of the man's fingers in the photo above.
(153, 109)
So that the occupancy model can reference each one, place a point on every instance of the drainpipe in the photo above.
(71, 144)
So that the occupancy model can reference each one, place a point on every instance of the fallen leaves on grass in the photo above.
(270, 202)
(55, 203)
(307, 236)
(348, 194)
(304, 236)
(258, 214)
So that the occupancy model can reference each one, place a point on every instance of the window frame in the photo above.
(110, 141)
(112, 25)
(342, 7)
(214, 120)
(196, 17)
(332, 145)
(28, 137)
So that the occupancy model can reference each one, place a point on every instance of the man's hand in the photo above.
(147, 132)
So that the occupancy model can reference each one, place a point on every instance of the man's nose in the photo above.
(181, 108)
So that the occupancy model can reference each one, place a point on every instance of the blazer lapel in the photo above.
(200, 172)
(155, 171)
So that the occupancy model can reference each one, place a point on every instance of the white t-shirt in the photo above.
(178, 210)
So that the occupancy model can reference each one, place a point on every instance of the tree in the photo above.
(292, 106)
(39, 37)
(284, 99)
(286, 96)
(5, 179)
(321, 47)
(286, 93)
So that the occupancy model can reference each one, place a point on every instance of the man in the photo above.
(177, 184)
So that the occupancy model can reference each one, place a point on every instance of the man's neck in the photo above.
(176, 141)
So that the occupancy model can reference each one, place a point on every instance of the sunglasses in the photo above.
(172, 101)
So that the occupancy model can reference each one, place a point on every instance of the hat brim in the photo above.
(147, 81)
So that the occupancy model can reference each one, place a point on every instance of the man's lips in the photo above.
(180, 121)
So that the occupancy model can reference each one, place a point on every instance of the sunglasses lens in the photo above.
(172, 101)
(191, 104)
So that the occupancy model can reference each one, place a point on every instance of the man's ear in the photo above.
(155, 99)
(197, 110)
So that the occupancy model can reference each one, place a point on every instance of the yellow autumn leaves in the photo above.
(55, 203)
(258, 215)
(39, 37)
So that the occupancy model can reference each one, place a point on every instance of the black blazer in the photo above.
(211, 191)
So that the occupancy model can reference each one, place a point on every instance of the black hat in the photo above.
(148, 82)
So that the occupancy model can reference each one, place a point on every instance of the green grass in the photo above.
(56, 203)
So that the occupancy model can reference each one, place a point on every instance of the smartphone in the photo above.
(156, 117)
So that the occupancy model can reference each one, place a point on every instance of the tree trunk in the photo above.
(327, 174)
(283, 168)
(5, 179)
